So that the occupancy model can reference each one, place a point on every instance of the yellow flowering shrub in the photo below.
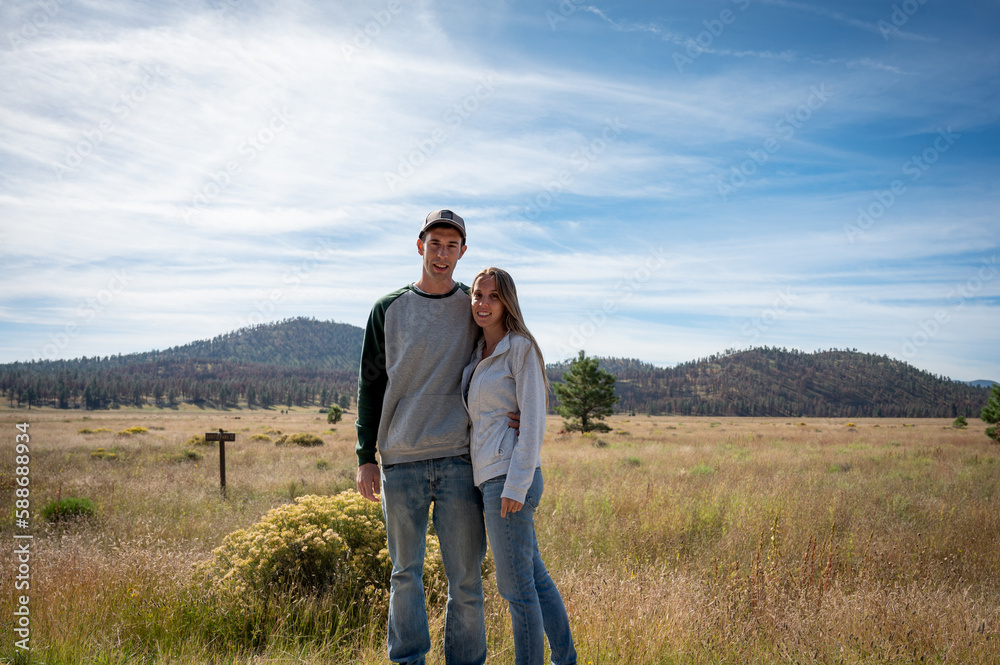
(317, 545)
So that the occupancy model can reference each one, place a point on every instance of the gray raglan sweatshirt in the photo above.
(409, 384)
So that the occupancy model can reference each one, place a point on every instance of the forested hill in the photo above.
(298, 342)
(778, 382)
(295, 362)
(305, 362)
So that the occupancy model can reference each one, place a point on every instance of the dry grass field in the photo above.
(673, 540)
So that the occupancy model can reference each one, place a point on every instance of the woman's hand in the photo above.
(514, 422)
(509, 506)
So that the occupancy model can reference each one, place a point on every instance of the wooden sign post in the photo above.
(221, 436)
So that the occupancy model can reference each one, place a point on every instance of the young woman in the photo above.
(507, 374)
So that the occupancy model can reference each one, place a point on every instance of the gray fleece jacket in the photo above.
(510, 379)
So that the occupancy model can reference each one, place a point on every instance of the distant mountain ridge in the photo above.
(294, 362)
(982, 383)
(296, 342)
(780, 382)
(305, 362)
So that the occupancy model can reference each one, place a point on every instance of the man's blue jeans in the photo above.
(536, 608)
(408, 490)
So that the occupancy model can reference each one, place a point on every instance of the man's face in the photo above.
(441, 249)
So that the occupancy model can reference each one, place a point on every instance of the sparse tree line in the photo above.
(79, 384)
(762, 382)
(773, 382)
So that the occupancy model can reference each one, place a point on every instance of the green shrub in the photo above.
(334, 415)
(322, 465)
(192, 455)
(87, 430)
(68, 508)
(260, 437)
(319, 545)
(300, 439)
(198, 440)
(960, 423)
(132, 431)
(101, 453)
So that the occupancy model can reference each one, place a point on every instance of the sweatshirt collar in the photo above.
(416, 289)
(502, 346)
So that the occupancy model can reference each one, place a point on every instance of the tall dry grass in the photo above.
(762, 541)
(672, 540)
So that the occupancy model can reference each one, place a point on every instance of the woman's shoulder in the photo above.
(518, 342)
(522, 350)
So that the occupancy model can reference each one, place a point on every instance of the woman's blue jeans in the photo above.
(408, 490)
(536, 608)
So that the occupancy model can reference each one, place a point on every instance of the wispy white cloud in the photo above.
(275, 159)
(689, 41)
(881, 27)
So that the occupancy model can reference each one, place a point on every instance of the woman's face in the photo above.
(487, 310)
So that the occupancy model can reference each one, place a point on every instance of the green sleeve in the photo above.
(372, 381)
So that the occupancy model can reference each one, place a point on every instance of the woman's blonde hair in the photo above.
(513, 320)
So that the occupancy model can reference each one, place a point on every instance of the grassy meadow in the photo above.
(672, 540)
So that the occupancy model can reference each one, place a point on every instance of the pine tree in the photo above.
(991, 413)
(586, 395)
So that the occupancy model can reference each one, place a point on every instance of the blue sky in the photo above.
(664, 181)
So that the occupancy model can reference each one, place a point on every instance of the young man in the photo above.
(417, 342)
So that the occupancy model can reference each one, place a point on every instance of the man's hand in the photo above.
(509, 506)
(515, 422)
(369, 481)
